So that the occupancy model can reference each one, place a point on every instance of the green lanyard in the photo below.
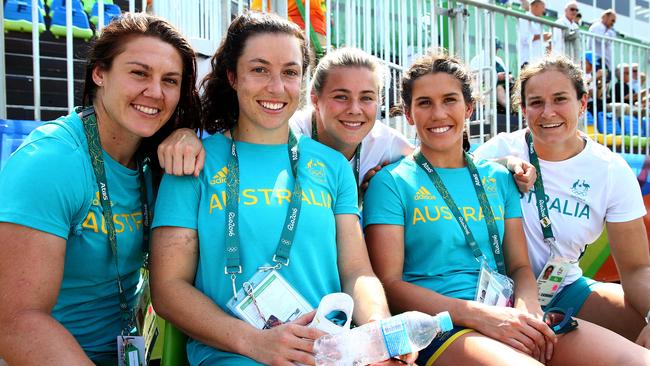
(493, 231)
(540, 195)
(97, 160)
(357, 156)
(281, 257)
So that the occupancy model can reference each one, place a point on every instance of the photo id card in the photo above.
(493, 288)
(268, 300)
(130, 351)
(551, 278)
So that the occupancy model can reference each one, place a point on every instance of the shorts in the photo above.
(573, 295)
(439, 344)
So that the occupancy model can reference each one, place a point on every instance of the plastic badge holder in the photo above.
(337, 301)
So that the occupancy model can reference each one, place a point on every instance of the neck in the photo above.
(118, 143)
(326, 139)
(559, 152)
(263, 137)
(453, 158)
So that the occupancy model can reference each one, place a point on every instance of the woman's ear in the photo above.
(314, 101)
(232, 79)
(469, 109)
(98, 75)
(409, 118)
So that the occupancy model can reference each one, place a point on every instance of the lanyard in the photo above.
(540, 195)
(281, 257)
(97, 160)
(357, 156)
(493, 231)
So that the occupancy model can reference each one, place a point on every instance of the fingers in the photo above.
(549, 349)
(305, 319)
(200, 163)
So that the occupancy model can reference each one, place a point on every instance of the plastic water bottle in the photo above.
(381, 340)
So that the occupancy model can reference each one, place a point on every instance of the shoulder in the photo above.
(490, 167)
(300, 122)
(513, 143)
(55, 143)
(309, 147)
(381, 132)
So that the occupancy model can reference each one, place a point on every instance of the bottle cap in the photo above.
(444, 321)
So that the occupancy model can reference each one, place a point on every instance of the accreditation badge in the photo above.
(267, 300)
(551, 278)
(130, 351)
(494, 288)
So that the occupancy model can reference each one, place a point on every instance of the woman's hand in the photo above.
(520, 330)
(287, 344)
(524, 173)
(182, 153)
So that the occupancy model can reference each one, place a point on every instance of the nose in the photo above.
(153, 89)
(355, 107)
(275, 84)
(549, 110)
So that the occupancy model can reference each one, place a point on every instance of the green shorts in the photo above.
(574, 295)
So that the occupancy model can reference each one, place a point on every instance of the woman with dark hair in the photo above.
(76, 197)
(267, 205)
(442, 226)
(586, 188)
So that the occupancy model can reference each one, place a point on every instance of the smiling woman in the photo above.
(268, 205)
(70, 258)
(436, 247)
(346, 89)
(575, 171)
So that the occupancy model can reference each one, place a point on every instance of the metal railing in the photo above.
(397, 32)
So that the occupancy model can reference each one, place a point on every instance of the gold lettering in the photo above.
(316, 203)
(215, 203)
(266, 195)
(249, 193)
(283, 194)
(426, 211)
(304, 198)
(91, 222)
(468, 212)
(417, 216)
(119, 225)
(137, 218)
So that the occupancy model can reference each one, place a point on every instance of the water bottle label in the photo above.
(395, 337)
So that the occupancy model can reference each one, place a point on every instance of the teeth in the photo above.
(440, 129)
(146, 110)
(351, 124)
(551, 125)
(273, 106)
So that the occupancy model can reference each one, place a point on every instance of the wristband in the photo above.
(647, 317)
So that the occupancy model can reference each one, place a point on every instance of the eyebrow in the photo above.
(147, 67)
(265, 62)
(554, 94)
(343, 90)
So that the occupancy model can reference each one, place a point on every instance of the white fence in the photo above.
(398, 31)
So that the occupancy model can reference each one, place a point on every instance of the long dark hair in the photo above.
(219, 100)
(112, 42)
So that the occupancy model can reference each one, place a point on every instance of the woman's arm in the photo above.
(174, 257)
(31, 271)
(510, 326)
(357, 277)
(629, 245)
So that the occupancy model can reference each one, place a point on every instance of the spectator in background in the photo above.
(531, 35)
(622, 89)
(479, 63)
(578, 19)
(605, 27)
(565, 42)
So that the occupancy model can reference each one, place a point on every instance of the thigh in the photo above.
(473, 348)
(593, 345)
(607, 307)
